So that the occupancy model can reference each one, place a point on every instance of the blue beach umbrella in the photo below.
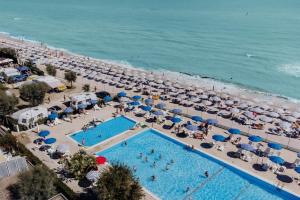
(136, 97)
(176, 111)
(160, 105)
(68, 110)
(219, 138)
(107, 98)
(197, 119)
(297, 169)
(176, 120)
(192, 127)
(134, 103)
(275, 146)
(81, 106)
(122, 94)
(248, 147)
(146, 108)
(158, 112)
(211, 121)
(50, 141)
(52, 116)
(276, 159)
(255, 138)
(149, 102)
(234, 131)
(44, 133)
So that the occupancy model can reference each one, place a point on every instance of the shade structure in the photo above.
(160, 105)
(219, 138)
(50, 141)
(197, 118)
(297, 169)
(68, 110)
(248, 147)
(176, 119)
(149, 102)
(101, 160)
(211, 121)
(158, 112)
(62, 148)
(176, 111)
(146, 108)
(277, 160)
(234, 131)
(81, 106)
(136, 97)
(134, 103)
(92, 176)
(52, 116)
(275, 146)
(44, 133)
(192, 127)
(255, 138)
(107, 98)
(122, 94)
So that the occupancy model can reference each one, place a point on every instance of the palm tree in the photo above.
(70, 77)
(118, 182)
(36, 184)
(80, 164)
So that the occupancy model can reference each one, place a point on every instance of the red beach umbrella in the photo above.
(100, 160)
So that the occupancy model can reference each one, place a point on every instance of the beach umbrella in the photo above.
(68, 110)
(146, 108)
(62, 148)
(234, 131)
(266, 119)
(192, 127)
(160, 105)
(158, 112)
(229, 102)
(122, 94)
(289, 119)
(273, 114)
(92, 176)
(243, 106)
(197, 118)
(218, 138)
(297, 169)
(176, 120)
(277, 160)
(248, 147)
(296, 114)
(234, 110)
(101, 160)
(107, 98)
(211, 121)
(275, 146)
(50, 140)
(176, 111)
(81, 106)
(249, 115)
(207, 103)
(136, 97)
(44, 133)
(52, 116)
(134, 103)
(203, 96)
(285, 125)
(257, 110)
(149, 101)
(255, 138)
(216, 99)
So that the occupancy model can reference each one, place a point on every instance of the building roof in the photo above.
(50, 81)
(10, 71)
(34, 111)
(84, 96)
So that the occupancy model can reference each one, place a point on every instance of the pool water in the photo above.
(103, 131)
(184, 177)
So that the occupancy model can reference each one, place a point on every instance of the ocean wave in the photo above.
(290, 69)
(17, 18)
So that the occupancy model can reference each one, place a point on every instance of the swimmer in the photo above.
(125, 143)
(167, 167)
(152, 151)
(187, 189)
(134, 168)
(172, 161)
(141, 155)
(146, 159)
(99, 136)
(153, 178)
(160, 157)
(154, 164)
(206, 174)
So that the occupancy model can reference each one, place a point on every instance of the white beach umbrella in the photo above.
(216, 99)
(224, 96)
(279, 110)
(93, 176)
(289, 118)
(192, 93)
(211, 93)
(234, 110)
(249, 115)
(207, 103)
(285, 125)
(243, 106)
(266, 119)
(229, 103)
(257, 110)
(273, 114)
(236, 100)
(296, 114)
(203, 96)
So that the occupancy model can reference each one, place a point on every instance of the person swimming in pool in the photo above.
(160, 157)
(146, 159)
(206, 174)
(152, 151)
(154, 164)
(172, 161)
(141, 155)
(187, 189)
(153, 177)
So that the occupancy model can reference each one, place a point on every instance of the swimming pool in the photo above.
(186, 172)
(103, 131)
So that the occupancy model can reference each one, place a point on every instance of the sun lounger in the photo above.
(221, 147)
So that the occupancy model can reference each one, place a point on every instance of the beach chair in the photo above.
(96, 107)
(220, 147)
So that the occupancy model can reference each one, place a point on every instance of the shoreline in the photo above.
(243, 92)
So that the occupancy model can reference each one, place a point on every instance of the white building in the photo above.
(29, 116)
(6, 61)
(9, 71)
(84, 98)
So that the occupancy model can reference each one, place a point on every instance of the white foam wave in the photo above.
(290, 69)
(17, 18)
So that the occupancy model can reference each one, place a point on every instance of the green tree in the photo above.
(80, 164)
(36, 184)
(9, 53)
(34, 93)
(118, 182)
(70, 77)
(86, 87)
(33, 68)
(8, 103)
(51, 70)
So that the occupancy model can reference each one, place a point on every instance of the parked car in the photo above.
(55, 109)
(102, 94)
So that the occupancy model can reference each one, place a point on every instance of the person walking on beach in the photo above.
(64, 98)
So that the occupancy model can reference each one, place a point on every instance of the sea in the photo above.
(252, 45)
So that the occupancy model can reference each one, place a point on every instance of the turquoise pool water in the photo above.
(103, 131)
(187, 170)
